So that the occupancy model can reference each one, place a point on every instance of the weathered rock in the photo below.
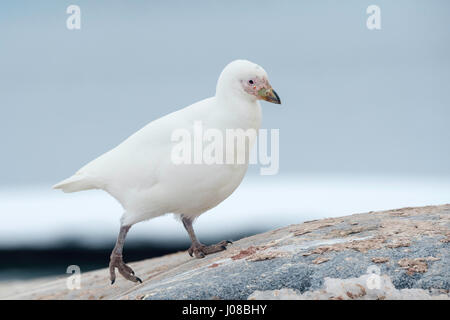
(396, 254)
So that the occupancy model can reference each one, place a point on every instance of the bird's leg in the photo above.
(117, 261)
(198, 249)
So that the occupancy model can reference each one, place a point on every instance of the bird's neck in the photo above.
(243, 113)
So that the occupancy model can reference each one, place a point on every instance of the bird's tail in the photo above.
(77, 182)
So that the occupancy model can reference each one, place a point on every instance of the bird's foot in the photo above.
(200, 250)
(117, 262)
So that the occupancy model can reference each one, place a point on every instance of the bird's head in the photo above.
(247, 80)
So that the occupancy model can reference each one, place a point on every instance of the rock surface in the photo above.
(395, 254)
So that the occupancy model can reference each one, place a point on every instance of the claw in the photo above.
(124, 270)
(200, 251)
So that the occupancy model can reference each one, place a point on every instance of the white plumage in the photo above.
(140, 174)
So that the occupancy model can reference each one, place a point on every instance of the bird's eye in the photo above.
(250, 81)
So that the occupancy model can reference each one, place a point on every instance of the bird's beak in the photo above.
(269, 95)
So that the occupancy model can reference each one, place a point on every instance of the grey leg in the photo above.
(116, 260)
(198, 249)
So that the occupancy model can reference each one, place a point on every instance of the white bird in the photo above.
(141, 175)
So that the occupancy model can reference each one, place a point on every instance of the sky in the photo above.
(355, 101)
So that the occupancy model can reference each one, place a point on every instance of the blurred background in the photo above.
(364, 124)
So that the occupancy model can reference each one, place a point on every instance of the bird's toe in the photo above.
(124, 270)
(225, 242)
(200, 250)
(199, 254)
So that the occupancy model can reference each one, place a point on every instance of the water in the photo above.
(39, 217)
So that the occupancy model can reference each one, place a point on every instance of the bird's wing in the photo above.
(135, 161)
